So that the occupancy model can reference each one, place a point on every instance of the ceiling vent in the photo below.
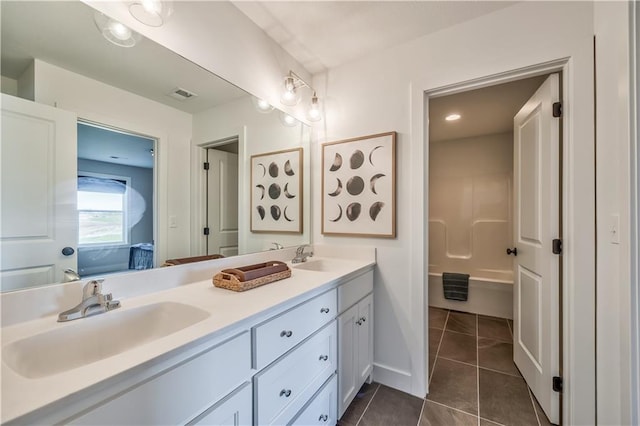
(181, 94)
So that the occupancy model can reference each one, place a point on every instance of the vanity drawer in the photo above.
(281, 390)
(350, 292)
(276, 336)
(180, 394)
(322, 409)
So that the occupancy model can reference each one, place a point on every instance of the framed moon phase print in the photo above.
(276, 192)
(358, 186)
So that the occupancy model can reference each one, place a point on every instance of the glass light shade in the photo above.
(116, 32)
(287, 120)
(314, 114)
(290, 96)
(153, 13)
(261, 105)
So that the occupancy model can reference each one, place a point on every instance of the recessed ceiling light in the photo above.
(452, 117)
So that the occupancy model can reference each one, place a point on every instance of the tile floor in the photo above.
(473, 381)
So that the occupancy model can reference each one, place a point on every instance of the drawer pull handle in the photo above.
(286, 333)
(359, 322)
(323, 357)
(324, 310)
(285, 392)
(323, 417)
(363, 319)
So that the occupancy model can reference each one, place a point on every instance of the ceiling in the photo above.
(325, 34)
(111, 146)
(486, 111)
(63, 33)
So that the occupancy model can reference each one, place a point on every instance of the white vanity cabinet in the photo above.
(355, 337)
(183, 393)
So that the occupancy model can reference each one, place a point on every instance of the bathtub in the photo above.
(493, 297)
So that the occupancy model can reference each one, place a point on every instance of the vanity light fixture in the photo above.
(453, 117)
(291, 95)
(153, 13)
(116, 32)
(261, 105)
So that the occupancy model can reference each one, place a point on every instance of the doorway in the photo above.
(116, 187)
(221, 198)
(482, 199)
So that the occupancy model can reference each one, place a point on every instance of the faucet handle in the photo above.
(93, 288)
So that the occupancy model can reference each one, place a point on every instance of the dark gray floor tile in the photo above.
(461, 322)
(454, 384)
(542, 417)
(437, 317)
(494, 328)
(358, 405)
(438, 415)
(392, 407)
(434, 340)
(496, 355)
(505, 399)
(459, 347)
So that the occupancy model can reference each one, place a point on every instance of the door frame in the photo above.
(578, 325)
(199, 188)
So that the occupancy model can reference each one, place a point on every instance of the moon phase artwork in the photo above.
(358, 186)
(276, 188)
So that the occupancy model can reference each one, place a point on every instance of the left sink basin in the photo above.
(98, 337)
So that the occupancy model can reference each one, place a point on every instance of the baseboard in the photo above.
(392, 377)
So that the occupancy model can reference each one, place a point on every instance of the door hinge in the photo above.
(206, 165)
(556, 246)
(557, 384)
(557, 109)
(206, 231)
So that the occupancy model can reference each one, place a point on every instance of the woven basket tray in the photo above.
(252, 276)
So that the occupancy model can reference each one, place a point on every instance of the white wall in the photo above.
(8, 86)
(470, 220)
(385, 92)
(101, 103)
(259, 133)
(613, 152)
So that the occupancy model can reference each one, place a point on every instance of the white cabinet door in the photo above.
(365, 338)
(347, 358)
(234, 410)
(355, 359)
(222, 202)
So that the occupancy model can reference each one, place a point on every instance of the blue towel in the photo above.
(455, 286)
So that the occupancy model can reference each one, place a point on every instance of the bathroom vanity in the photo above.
(292, 352)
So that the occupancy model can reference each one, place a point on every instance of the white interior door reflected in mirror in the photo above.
(38, 193)
(222, 202)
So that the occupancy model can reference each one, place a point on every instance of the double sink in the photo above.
(95, 338)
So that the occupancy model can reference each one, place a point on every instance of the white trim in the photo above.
(578, 281)
(634, 243)
(393, 377)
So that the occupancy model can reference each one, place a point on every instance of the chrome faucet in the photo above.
(70, 275)
(276, 246)
(93, 302)
(301, 256)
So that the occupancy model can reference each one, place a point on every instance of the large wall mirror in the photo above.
(125, 158)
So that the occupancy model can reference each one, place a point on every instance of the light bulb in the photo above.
(452, 117)
(153, 13)
(152, 6)
(119, 31)
(290, 95)
(261, 105)
(314, 110)
(116, 32)
(287, 119)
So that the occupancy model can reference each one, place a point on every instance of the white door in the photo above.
(536, 221)
(39, 181)
(347, 358)
(222, 202)
(365, 338)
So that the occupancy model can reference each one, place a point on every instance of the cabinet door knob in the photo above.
(363, 319)
(286, 333)
(285, 392)
(359, 322)
(323, 417)
(323, 357)
(324, 310)
(513, 251)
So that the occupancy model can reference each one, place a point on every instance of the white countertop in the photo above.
(228, 312)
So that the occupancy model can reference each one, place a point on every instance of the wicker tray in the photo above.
(251, 276)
